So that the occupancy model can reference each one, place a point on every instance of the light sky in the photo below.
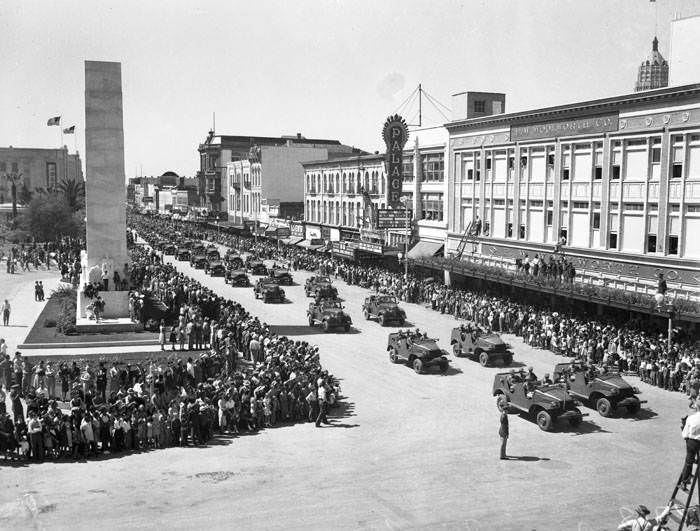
(326, 69)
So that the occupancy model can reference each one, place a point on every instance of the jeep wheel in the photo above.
(575, 421)
(604, 407)
(401, 322)
(346, 328)
(382, 320)
(634, 408)
(311, 321)
(502, 404)
(507, 360)
(393, 356)
(456, 349)
(418, 366)
(326, 326)
(444, 366)
(483, 359)
(544, 421)
(366, 314)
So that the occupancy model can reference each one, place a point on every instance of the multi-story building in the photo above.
(615, 180)
(218, 150)
(653, 72)
(37, 168)
(269, 175)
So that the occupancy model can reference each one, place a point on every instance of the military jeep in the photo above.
(237, 278)
(215, 269)
(329, 314)
(268, 291)
(320, 287)
(546, 403)
(256, 267)
(169, 249)
(599, 389)
(281, 276)
(183, 254)
(199, 261)
(417, 350)
(213, 254)
(477, 344)
(384, 308)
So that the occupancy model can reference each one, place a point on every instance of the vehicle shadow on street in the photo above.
(451, 371)
(643, 414)
(526, 458)
(586, 427)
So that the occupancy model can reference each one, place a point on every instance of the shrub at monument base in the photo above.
(65, 299)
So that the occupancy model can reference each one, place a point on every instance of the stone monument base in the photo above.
(106, 326)
(116, 304)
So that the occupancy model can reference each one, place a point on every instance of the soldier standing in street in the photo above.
(503, 433)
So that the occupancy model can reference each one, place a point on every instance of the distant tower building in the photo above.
(653, 73)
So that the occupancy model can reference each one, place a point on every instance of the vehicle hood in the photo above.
(553, 393)
(614, 380)
(389, 307)
(334, 312)
(492, 341)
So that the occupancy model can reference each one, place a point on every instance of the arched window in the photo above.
(345, 183)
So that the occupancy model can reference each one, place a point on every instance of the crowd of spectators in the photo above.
(247, 378)
(63, 254)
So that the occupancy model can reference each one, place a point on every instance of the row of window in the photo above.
(632, 159)
(432, 167)
(372, 182)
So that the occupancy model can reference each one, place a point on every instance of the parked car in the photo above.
(320, 287)
(384, 308)
(475, 343)
(237, 278)
(215, 269)
(417, 350)
(329, 314)
(545, 403)
(603, 390)
(268, 291)
(199, 261)
(256, 267)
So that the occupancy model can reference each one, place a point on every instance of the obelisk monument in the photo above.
(105, 187)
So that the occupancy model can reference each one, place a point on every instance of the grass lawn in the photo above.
(42, 334)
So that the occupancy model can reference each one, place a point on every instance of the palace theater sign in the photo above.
(395, 135)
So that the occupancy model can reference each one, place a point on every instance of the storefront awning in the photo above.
(292, 240)
(307, 244)
(425, 249)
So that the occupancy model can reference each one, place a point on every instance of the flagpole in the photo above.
(61, 128)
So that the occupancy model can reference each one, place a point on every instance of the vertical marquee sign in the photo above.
(395, 135)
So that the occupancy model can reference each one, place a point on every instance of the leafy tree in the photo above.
(50, 217)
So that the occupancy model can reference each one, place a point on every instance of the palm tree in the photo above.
(73, 192)
(14, 178)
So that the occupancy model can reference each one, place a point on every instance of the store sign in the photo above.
(297, 229)
(393, 218)
(370, 247)
(326, 233)
(579, 126)
(283, 232)
(395, 135)
(344, 250)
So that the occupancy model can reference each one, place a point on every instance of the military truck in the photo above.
(237, 278)
(417, 350)
(169, 249)
(603, 390)
(475, 343)
(215, 269)
(213, 255)
(320, 287)
(384, 308)
(545, 403)
(329, 314)
(268, 291)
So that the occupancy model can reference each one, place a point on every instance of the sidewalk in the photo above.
(18, 289)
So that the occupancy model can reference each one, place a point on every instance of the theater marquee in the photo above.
(579, 126)
(395, 135)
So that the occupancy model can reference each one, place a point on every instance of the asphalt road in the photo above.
(405, 451)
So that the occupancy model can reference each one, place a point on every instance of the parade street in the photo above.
(403, 451)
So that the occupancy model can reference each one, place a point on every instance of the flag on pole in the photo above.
(69, 131)
(56, 120)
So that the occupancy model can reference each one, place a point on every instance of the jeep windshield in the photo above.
(323, 280)
(331, 304)
(386, 300)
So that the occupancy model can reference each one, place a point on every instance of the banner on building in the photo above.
(393, 218)
(395, 135)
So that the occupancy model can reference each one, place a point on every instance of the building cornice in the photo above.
(591, 107)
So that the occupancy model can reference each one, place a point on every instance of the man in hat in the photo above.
(691, 434)
(642, 522)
